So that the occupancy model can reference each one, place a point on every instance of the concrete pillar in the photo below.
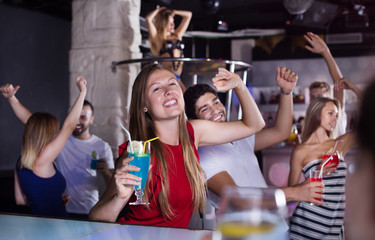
(104, 31)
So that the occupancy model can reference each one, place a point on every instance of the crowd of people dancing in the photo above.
(198, 153)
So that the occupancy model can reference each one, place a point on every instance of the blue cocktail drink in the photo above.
(140, 150)
(143, 162)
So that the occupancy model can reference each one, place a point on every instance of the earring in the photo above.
(145, 109)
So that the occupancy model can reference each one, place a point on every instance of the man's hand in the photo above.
(102, 165)
(81, 83)
(65, 198)
(286, 79)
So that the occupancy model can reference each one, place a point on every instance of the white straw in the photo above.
(129, 138)
(321, 169)
(334, 147)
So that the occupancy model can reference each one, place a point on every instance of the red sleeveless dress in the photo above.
(180, 195)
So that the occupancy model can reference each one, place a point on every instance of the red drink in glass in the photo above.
(314, 177)
(334, 159)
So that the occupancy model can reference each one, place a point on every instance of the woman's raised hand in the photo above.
(317, 44)
(344, 83)
(8, 90)
(225, 80)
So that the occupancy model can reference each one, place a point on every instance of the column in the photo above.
(102, 32)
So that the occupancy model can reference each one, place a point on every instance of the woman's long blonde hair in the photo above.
(40, 129)
(313, 117)
(161, 24)
(142, 128)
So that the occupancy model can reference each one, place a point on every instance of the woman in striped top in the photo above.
(324, 221)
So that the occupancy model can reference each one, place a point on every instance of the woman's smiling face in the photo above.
(329, 116)
(164, 98)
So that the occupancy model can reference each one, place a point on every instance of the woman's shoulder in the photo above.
(300, 151)
(301, 148)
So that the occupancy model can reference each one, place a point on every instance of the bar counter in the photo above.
(21, 227)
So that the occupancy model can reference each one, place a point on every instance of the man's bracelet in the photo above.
(285, 93)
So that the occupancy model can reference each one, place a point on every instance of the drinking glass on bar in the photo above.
(253, 213)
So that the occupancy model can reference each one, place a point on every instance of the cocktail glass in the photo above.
(252, 213)
(140, 150)
(315, 176)
(94, 160)
(333, 159)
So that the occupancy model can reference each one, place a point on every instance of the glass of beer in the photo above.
(253, 213)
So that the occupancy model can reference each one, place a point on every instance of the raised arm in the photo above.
(349, 140)
(53, 149)
(286, 80)
(320, 47)
(9, 92)
(186, 17)
(152, 31)
(344, 83)
(213, 133)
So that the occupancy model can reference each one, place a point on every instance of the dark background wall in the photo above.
(34, 53)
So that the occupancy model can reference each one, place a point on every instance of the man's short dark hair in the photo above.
(87, 103)
(191, 96)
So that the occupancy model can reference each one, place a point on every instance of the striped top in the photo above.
(326, 221)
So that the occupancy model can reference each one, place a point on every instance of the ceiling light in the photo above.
(297, 7)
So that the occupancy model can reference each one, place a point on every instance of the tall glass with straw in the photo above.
(331, 158)
(141, 151)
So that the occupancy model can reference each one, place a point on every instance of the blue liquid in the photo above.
(143, 162)
(93, 163)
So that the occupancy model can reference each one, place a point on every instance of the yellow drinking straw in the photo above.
(144, 144)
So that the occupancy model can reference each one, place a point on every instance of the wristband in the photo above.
(285, 93)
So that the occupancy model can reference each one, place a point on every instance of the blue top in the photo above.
(43, 194)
